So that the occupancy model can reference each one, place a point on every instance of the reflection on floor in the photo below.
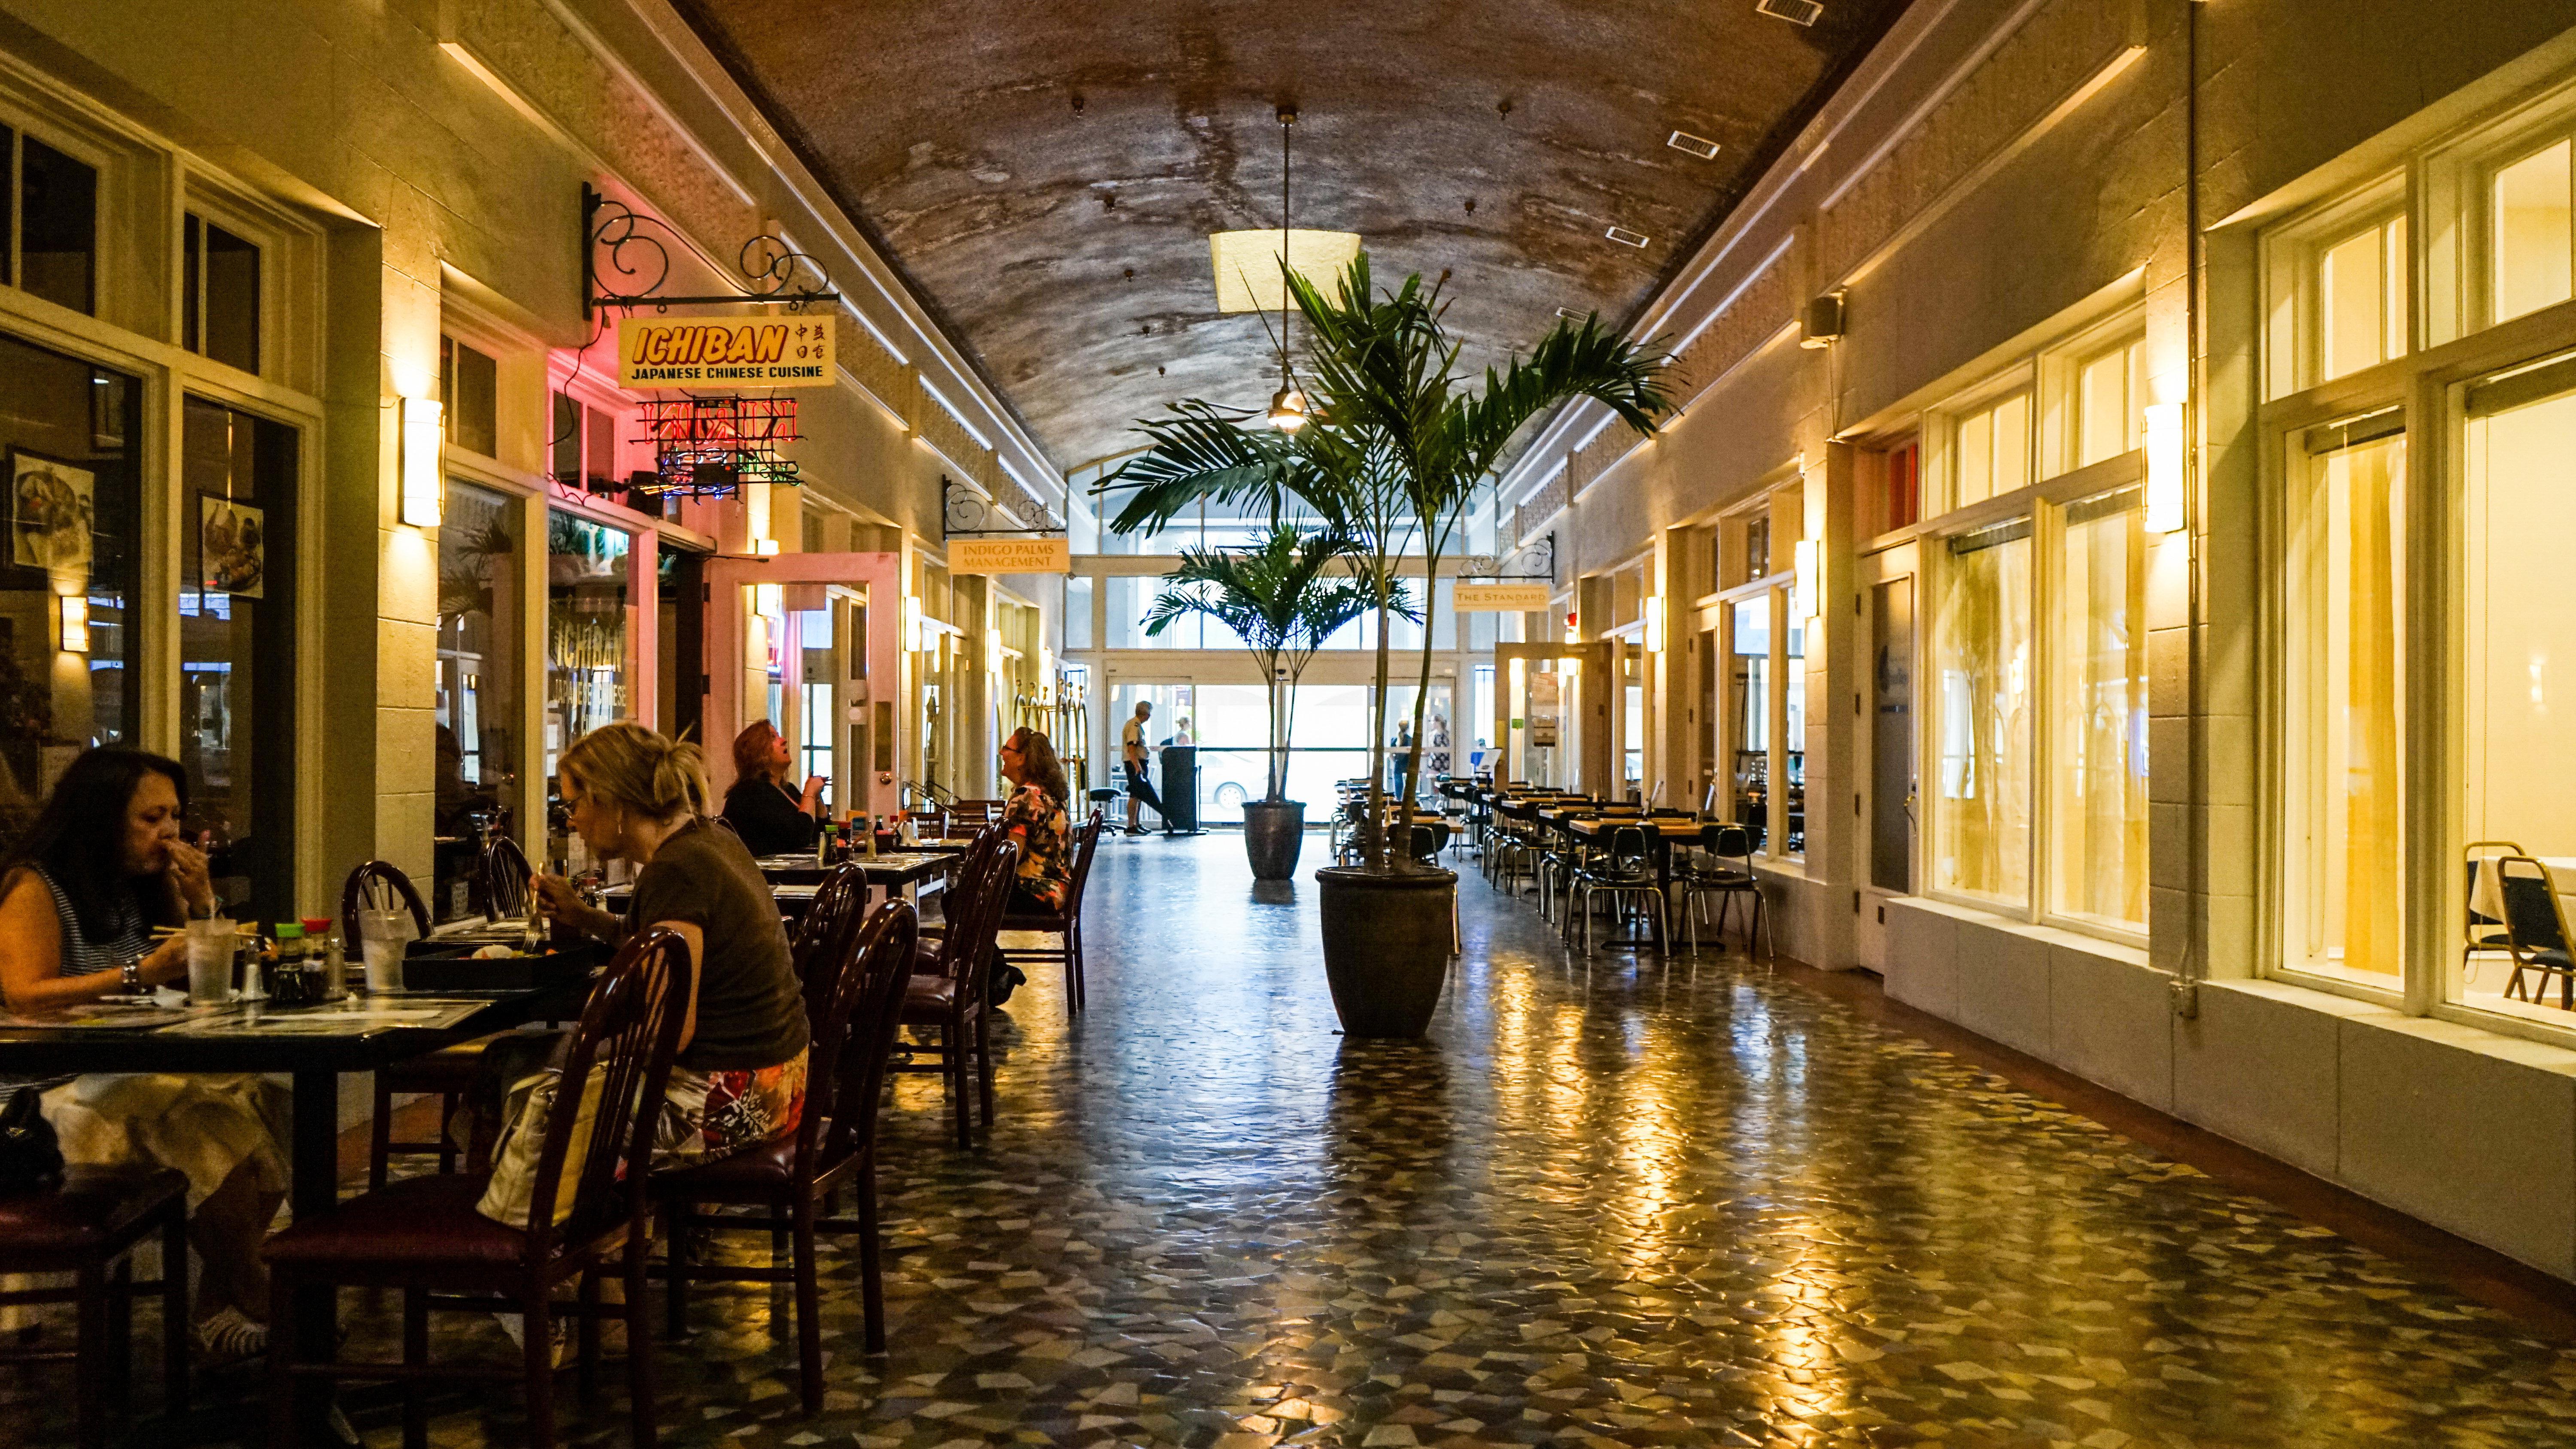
(1639, 1201)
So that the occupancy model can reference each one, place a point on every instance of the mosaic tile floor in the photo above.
(1637, 1203)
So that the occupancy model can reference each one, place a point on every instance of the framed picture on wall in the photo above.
(232, 547)
(53, 505)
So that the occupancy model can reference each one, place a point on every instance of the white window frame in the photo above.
(2291, 254)
(2456, 253)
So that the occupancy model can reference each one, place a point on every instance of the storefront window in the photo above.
(68, 674)
(2097, 704)
(1990, 450)
(1793, 740)
(2533, 232)
(237, 650)
(1981, 655)
(57, 226)
(2520, 639)
(2346, 684)
(2110, 396)
(1749, 710)
(219, 294)
(479, 736)
(1632, 718)
(2361, 299)
(589, 638)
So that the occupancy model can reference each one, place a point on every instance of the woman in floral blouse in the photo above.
(1036, 819)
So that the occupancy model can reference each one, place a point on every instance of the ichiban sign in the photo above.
(719, 351)
(1010, 556)
(1503, 598)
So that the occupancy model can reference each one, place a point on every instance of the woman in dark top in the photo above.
(740, 1077)
(100, 867)
(770, 818)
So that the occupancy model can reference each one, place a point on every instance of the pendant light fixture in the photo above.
(1250, 264)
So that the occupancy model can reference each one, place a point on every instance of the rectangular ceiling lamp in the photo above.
(423, 486)
(1247, 264)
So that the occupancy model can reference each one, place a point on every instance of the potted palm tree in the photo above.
(1280, 599)
(1398, 444)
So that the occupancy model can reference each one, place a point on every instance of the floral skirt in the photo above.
(705, 1116)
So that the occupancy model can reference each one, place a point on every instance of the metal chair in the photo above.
(2535, 930)
(1725, 843)
(2480, 932)
(1624, 872)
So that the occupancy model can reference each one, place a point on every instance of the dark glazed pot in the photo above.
(1273, 832)
(1386, 947)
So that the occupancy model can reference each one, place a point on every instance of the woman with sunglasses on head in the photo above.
(102, 866)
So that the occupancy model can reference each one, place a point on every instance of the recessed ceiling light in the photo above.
(1796, 12)
(1625, 237)
(1700, 146)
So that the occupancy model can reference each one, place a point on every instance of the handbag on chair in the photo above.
(31, 1156)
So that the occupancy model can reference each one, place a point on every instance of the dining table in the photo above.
(312, 1046)
(794, 879)
(2486, 894)
(1662, 832)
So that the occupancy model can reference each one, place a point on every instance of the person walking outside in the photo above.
(1131, 749)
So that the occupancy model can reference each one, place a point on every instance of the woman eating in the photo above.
(100, 868)
(771, 818)
(740, 1077)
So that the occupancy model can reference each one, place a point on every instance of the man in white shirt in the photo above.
(1131, 749)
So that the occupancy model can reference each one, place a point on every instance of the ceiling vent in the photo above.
(1700, 146)
(1796, 12)
(1625, 237)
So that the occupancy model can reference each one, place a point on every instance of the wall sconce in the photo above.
(76, 623)
(1802, 600)
(1654, 623)
(1569, 666)
(424, 435)
(765, 547)
(2164, 467)
(911, 624)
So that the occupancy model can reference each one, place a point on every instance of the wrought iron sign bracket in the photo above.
(772, 274)
(1537, 564)
(963, 513)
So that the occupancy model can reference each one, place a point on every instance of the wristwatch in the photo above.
(132, 974)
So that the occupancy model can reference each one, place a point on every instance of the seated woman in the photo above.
(770, 818)
(1035, 817)
(740, 1078)
(101, 866)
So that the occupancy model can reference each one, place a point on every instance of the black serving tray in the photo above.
(453, 966)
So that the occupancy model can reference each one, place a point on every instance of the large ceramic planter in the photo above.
(1386, 947)
(1274, 831)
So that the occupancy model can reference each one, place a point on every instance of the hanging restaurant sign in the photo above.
(1011, 556)
(764, 351)
(1503, 598)
(708, 447)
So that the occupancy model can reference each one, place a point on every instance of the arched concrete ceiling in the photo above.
(1046, 173)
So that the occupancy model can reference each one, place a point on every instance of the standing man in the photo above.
(1140, 791)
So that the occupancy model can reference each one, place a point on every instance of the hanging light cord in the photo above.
(1287, 118)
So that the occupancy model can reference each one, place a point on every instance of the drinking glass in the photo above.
(210, 962)
(381, 935)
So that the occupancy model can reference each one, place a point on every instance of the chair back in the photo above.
(1429, 840)
(1628, 849)
(628, 1035)
(967, 893)
(1728, 842)
(505, 878)
(377, 886)
(854, 1038)
(831, 923)
(1086, 844)
(2481, 928)
(966, 953)
(2531, 920)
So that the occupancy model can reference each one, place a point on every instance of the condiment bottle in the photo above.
(286, 978)
(330, 955)
(872, 837)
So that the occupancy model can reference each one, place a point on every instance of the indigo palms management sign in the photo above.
(753, 351)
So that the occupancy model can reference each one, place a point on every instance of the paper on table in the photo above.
(109, 1016)
(428, 1014)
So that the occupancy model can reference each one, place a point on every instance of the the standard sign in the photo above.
(1010, 556)
(725, 351)
(1505, 598)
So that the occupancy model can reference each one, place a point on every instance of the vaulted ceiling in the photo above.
(1046, 172)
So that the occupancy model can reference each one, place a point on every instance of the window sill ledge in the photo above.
(2028, 930)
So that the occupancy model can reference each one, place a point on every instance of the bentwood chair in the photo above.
(952, 982)
(2480, 932)
(87, 1227)
(505, 879)
(447, 1074)
(861, 974)
(587, 1213)
(1727, 874)
(1626, 873)
(1066, 924)
(824, 934)
(2535, 931)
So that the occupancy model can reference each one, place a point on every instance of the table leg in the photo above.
(315, 1189)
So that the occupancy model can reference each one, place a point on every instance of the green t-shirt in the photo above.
(751, 1012)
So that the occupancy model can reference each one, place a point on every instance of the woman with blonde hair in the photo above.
(771, 818)
(740, 1077)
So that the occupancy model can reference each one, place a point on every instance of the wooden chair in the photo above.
(952, 982)
(88, 1226)
(824, 935)
(423, 1236)
(447, 1074)
(2535, 931)
(505, 879)
(1065, 924)
(834, 1146)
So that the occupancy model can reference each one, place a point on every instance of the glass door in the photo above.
(1888, 786)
